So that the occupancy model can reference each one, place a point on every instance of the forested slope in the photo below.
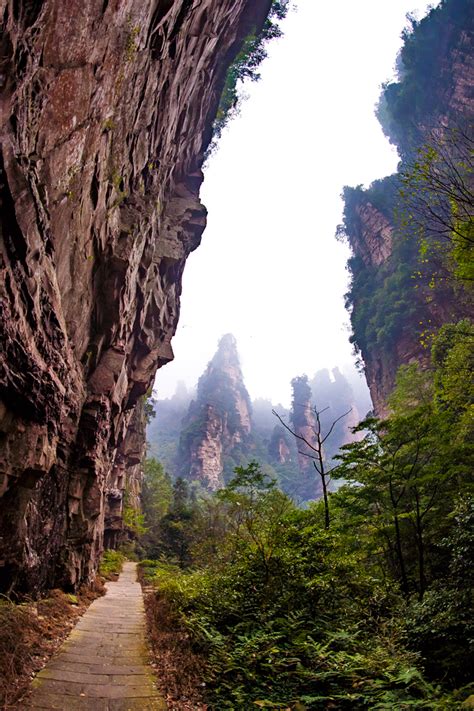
(411, 233)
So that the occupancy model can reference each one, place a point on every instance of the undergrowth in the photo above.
(30, 632)
(286, 644)
(181, 668)
(374, 611)
(111, 564)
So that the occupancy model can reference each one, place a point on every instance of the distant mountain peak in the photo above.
(227, 353)
(216, 431)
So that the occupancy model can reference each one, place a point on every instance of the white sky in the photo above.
(269, 269)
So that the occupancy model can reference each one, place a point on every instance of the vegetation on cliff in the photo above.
(412, 232)
(245, 67)
(425, 75)
(382, 299)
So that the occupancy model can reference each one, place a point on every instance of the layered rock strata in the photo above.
(216, 431)
(106, 110)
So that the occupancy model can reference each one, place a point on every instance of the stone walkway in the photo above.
(103, 666)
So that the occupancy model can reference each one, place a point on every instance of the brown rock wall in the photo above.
(374, 243)
(105, 112)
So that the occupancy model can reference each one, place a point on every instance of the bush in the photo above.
(111, 564)
(305, 636)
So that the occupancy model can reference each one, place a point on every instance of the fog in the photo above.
(269, 269)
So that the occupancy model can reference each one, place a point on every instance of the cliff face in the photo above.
(402, 287)
(105, 112)
(216, 430)
(222, 429)
(372, 241)
(395, 310)
(124, 481)
(279, 447)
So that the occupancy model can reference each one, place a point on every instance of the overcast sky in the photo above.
(269, 269)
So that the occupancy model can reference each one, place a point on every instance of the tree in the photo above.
(438, 191)
(441, 627)
(255, 508)
(453, 359)
(177, 525)
(156, 499)
(394, 465)
(316, 452)
(411, 467)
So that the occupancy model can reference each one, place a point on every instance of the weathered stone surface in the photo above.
(105, 113)
(374, 243)
(278, 447)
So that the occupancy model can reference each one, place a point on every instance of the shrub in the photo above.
(111, 564)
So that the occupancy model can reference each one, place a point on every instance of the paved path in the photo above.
(102, 666)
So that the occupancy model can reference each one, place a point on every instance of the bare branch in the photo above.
(287, 427)
(335, 423)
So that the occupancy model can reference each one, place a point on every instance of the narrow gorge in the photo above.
(285, 521)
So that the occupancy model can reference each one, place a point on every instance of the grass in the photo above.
(181, 669)
(111, 564)
(30, 632)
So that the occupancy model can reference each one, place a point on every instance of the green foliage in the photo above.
(375, 612)
(132, 518)
(428, 203)
(245, 67)
(299, 635)
(173, 530)
(441, 626)
(149, 408)
(453, 359)
(424, 72)
(414, 466)
(290, 615)
(383, 299)
(156, 498)
(111, 563)
(438, 202)
(429, 209)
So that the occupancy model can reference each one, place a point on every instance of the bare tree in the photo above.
(316, 453)
(438, 190)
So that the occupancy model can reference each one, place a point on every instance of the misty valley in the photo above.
(217, 549)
